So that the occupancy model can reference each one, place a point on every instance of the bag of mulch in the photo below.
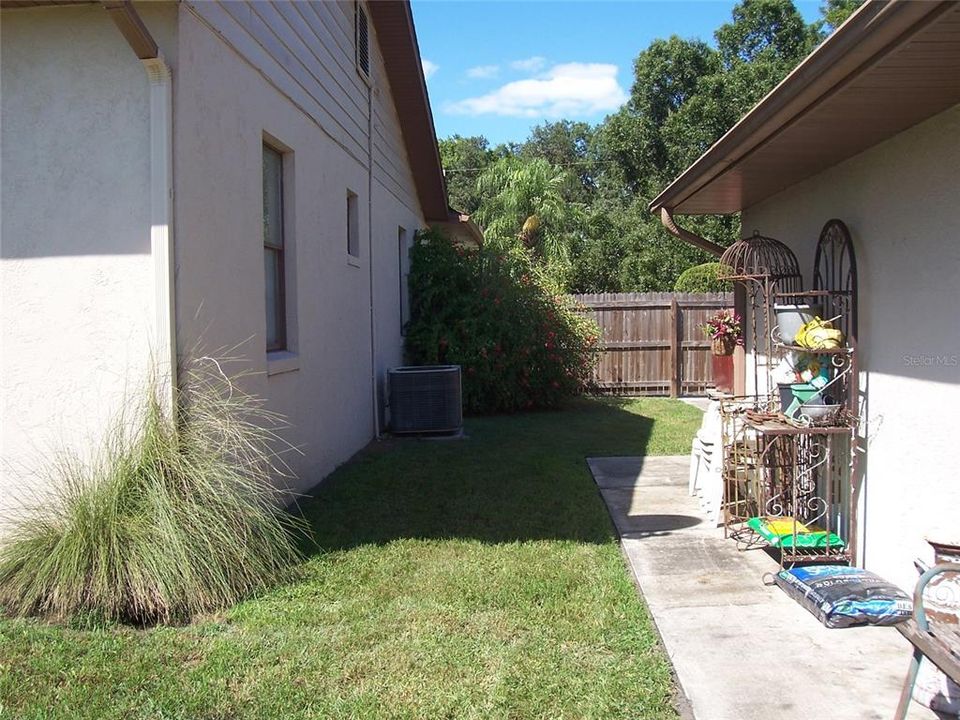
(840, 596)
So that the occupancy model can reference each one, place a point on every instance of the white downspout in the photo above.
(374, 389)
(161, 224)
(128, 22)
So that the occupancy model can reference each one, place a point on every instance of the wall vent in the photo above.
(362, 41)
(426, 399)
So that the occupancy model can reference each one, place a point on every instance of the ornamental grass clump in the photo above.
(169, 519)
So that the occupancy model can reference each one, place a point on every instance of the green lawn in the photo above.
(475, 578)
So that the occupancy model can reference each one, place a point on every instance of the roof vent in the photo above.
(362, 41)
(426, 399)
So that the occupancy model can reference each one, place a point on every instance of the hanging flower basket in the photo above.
(724, 331)
(723, 346)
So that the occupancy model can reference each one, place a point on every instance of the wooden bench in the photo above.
(938, 642)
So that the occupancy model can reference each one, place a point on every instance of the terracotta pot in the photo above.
(941, 597)
(722, 372)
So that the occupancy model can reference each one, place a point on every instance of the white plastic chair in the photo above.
(706, 444)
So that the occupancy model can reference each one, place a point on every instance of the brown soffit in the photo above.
(890, 66)
(42, 3)
(393, 24)
(132, 28)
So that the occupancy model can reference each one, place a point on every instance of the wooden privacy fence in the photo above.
(652, 343)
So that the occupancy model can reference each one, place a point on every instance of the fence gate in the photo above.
(651, 343)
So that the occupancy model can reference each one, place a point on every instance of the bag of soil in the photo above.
(840, 596)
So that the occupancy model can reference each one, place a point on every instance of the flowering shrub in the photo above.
(520, 343)
(725, 325)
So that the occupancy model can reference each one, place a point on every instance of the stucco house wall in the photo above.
(900, 202)
(234, 91)
(76, 285)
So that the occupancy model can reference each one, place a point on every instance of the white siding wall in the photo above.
(900, 201)
(76, 284)
(287, 70)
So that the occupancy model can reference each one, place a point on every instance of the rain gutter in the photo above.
(866, 37)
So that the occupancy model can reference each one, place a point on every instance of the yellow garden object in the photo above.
(786, 526)
(819, 334)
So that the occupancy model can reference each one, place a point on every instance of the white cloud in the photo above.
(567, 90)
(483, 71)
(531, 65)
(429, 68)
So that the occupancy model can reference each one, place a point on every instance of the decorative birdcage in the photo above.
(765, 267)
(759, 258)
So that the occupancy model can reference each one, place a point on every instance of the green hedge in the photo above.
(702, 278)
(519, 341)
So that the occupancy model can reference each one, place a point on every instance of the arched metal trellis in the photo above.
(835, 272)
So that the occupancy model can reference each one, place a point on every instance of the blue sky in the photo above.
(499, 68)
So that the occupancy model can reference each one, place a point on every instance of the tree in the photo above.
(464, 158)
(565, 144)
(765, 31)
(666, 75)
(597, 254)
(585, 206)
(524, 201)
(835, 12)
(763, 43)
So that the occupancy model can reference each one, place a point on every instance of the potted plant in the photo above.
(725, 334)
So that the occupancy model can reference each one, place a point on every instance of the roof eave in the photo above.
(397, 37)
(854, 46)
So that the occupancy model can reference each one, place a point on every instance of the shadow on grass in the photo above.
(513, 478)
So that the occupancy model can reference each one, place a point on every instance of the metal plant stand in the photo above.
(797, 474)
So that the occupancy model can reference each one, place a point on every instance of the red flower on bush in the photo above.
(544, 351)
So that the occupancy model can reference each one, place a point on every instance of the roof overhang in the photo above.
(393, 23)
(889, 67)
(461, 228)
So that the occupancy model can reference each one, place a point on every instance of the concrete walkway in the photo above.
(741, 650)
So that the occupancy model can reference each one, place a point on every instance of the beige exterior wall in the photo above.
(900, 201)
(286, 71)
(76, 284)
(77, 274)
